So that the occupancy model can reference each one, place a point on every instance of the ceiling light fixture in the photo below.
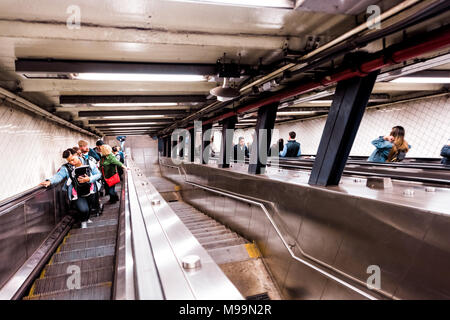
(288, 4)
(225, 93)
(295, 113)
(133, 117)
(147, 104)
(422, 80)
(138, 77)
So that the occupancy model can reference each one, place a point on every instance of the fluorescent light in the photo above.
(289, 4)
(294, 113)
(121, 128)
(126, 124)
(422, 80)
(133, 117)
(138, 77)
(247, 120)
(321, 101)
(146, 104)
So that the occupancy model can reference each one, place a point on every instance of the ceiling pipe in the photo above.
(324, 53)
(25, 104)
(426, 44)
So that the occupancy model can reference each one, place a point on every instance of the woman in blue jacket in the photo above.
(82, 203)
(391, 148)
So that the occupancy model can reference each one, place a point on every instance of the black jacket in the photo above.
(240, 154)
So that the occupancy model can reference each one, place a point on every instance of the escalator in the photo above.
(238, 258)
(88, 253)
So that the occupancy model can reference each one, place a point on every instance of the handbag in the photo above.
(111, 181)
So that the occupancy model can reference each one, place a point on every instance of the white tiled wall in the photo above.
(30, 149)
(426, 122)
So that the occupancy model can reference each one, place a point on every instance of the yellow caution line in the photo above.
(177, 188)
(252, 250)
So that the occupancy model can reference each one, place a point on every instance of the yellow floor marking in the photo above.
(252, 250)
(177, 188)
(32, 290)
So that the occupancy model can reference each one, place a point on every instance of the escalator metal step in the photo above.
(90, 236)
(223, 243)
(97, 292)
(209, 229)
(84, 254)
(56, 269)
(211, 233)
(213, 238)
(87, 244)
(197, 225)
(102, 223)
(59, 283)
(94, 230)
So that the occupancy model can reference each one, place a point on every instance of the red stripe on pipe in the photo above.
(433, 42)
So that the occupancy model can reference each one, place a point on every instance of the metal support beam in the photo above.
(90, 99)
(226, 147)
(263, 136)
(169, 147)
(192, 145)
(81, 66)
(129, 121)
(346, 112)
(206, 140)
(87, 114)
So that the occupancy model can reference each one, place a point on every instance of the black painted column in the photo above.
(346, 112)
(169, 147)
(260, 147)
(192, 145)
(206, 140)
(226, 147)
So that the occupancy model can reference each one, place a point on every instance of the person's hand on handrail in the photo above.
(45, 183)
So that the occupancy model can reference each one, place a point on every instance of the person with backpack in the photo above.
(88, 152)
(108, 167)
(291, 148)
(80, 189)
(390, 148)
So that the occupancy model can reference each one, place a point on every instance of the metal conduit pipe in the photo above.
(400, 7)
(431, 42)
(25, 104)
(321, 55)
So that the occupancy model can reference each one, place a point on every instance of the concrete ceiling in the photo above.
(159, 32)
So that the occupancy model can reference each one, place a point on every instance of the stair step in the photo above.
(90, 236)
(97, 292)
(93, 230)
(102, 223)
(212, 233)
(87, 244)
(213, 238)
(193, 227)
(229, 254)
(59, 283)
(56, 269)
(84, 254)
(223, 243)
(208, 229)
